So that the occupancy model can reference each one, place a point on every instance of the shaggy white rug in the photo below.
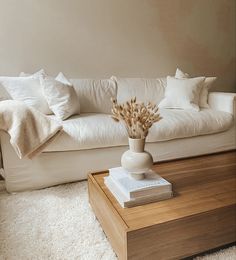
(57, 223)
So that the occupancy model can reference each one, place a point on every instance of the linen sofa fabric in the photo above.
(97, 137)
(182, 93)
(49, 168)
(144, 89)
(61, 96)
(26, 89)
(93, 128)
(95, 94)
(90, 131)
(207, 84)
(217, 100)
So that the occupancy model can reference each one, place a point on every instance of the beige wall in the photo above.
(98, 38)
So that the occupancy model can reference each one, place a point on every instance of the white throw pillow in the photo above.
(205, 88)
(36, 75)
(179, 74)
(61, 96)
(144, 89)
(26, 89)
(4, 95)
(182, 93)
(95, 94)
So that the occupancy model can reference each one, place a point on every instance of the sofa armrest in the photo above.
(223, 101)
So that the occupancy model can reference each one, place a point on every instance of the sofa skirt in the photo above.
(53, 168)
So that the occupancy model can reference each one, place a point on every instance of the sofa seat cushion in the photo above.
(89, 131)
(188, 123)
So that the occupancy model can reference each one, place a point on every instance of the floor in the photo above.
(58, 223)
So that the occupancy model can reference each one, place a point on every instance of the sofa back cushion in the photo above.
(95, 94)
(143, 89)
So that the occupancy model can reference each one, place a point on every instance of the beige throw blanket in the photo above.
(30, 131)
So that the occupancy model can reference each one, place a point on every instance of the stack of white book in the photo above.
(130, 192)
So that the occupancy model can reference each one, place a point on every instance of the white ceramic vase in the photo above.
(136, 161)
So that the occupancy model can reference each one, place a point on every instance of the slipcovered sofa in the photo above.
(92, 141)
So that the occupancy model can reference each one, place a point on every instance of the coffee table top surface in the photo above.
(200, 184)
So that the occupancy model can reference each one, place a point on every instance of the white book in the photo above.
(126, 202)
(152, 184)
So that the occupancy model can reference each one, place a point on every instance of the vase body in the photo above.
(136, 160)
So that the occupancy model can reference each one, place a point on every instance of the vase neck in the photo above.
(136, 145)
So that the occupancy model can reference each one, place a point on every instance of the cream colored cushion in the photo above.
(207, 84)
(26, 89)
(62, 78)
(88, 131)
(4, 95)
(61, 96)
(179, 74)
(95, 94)
(143, 89)
(182, 93)
(36, 75)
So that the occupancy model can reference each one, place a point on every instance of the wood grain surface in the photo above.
(200, 216)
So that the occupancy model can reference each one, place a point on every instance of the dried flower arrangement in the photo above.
(137, 117)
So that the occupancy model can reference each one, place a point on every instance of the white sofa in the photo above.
(92, 141)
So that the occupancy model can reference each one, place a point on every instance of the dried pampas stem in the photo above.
(137, 117)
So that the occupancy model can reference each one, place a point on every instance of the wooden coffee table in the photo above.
(200, 216)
